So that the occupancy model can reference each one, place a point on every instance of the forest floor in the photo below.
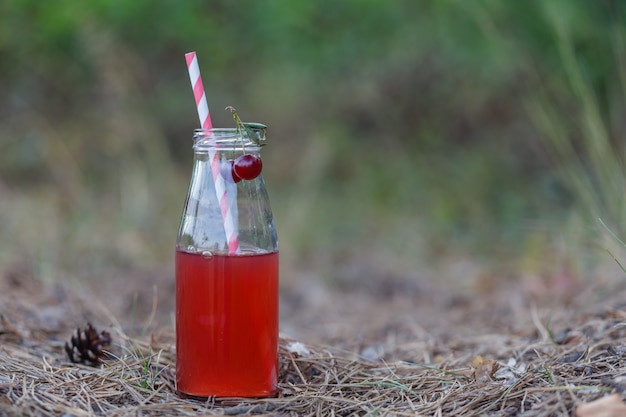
(397, 348)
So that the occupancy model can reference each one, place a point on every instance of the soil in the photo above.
(520, 346)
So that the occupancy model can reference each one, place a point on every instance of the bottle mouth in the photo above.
(228, 138)
(259, 128)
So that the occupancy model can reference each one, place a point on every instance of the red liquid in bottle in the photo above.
(227, 324)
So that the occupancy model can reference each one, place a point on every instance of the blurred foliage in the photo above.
(406, 130)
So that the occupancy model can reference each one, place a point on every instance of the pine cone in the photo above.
(86, 345)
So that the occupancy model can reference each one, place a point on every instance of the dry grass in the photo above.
(533, 363)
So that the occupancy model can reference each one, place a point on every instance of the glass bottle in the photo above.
(226, 275)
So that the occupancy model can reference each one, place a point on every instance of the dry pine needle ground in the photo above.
(544, 372)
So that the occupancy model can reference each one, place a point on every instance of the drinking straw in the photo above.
(220, 185)
(198, 90)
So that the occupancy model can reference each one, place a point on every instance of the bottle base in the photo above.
(221, 397)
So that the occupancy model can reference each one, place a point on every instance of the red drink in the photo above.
(227, 324)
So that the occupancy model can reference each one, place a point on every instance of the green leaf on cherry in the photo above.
(254, 131)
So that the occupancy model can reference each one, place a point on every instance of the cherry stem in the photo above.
(240, 126)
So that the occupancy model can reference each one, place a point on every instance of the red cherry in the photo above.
(247, 167)
(227, 170)
(236, 177)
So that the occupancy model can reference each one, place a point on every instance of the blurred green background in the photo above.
(403, 136)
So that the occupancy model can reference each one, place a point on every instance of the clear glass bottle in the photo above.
(226, 276)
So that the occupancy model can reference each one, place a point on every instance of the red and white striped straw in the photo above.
(205, 121)
(198, 90)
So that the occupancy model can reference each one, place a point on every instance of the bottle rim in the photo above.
(226, 138)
